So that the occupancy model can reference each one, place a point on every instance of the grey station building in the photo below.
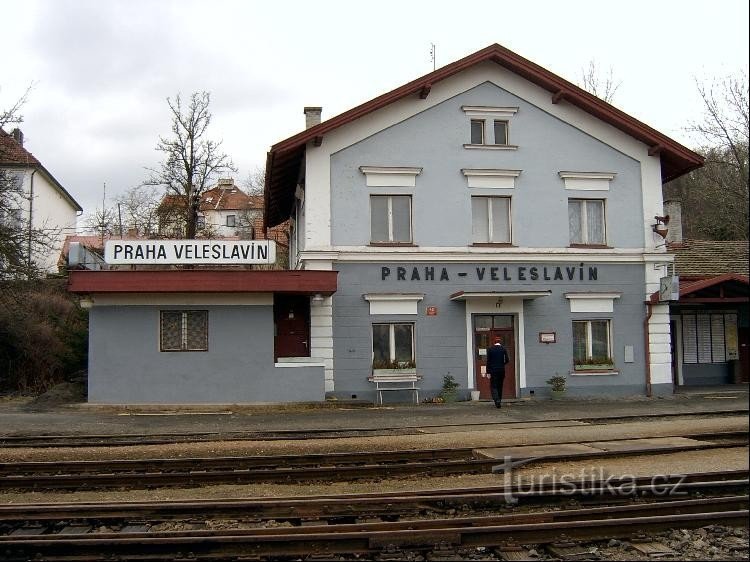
(487, 198)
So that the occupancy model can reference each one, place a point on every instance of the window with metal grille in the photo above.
(184, 330)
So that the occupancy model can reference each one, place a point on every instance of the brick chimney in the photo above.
(673, 208)
(312, 116)
(17, 135)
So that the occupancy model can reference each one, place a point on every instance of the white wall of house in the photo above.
(51, 211)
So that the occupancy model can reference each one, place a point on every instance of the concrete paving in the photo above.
(17, 418)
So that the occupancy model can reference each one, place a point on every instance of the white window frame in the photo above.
(390, 220)
(507, 131)
(484, 131)
(490, 226)
(392, 339)
(590, 339)
(233, 222)
(585, 224)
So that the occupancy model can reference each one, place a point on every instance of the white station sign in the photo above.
(217, 252)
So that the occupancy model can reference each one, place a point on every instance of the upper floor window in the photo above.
(477, 131)
(231, 221)
(489, 127)
(184, 330)
(490, 220)
(390, 218)
(501, 132)
(586, 221)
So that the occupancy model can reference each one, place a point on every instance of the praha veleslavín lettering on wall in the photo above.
(218, 252)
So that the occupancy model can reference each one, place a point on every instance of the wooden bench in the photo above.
(404, 381)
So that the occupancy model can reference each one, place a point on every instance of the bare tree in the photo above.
(255, 181)
(602, 86)
(192, 161)
(715, 197)
(139, 207)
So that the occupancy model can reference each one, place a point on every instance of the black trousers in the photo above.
(496, 385)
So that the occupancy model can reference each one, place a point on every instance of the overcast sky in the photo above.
(102, 69)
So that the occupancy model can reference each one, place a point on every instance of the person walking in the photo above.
(497, 358)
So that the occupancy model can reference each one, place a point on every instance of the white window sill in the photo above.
(592, 373)
(491, 146)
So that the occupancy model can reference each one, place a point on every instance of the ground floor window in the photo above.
(184, 330)
(392, 346)
(709, 337)
(592, 343)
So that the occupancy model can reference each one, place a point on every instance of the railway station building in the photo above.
(487, 198)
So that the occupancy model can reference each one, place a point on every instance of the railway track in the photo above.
(75, 537)
(123, 440)
(348, 507)
(151, 473)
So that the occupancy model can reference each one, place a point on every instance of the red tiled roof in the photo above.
(701, 259)
(232, 198)
(284, 159)
(695, 286)
(12, 153)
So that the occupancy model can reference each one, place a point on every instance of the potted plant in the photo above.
(449, 392)
(597, 363)
(558, 386)
(385, 366)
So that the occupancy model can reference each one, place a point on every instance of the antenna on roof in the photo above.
(432, 55)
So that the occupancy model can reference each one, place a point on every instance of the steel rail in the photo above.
(108, 477)
(703, 505)
(363, 541)
(355, 505)
(129, 439)
(293, 460)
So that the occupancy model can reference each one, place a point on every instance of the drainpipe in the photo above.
(31, 216)
(646, 347)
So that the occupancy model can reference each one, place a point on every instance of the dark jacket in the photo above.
(497, 358)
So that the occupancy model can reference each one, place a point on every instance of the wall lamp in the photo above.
(317, 299)
(660, 227)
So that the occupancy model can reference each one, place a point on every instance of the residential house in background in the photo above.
(710, 322)
(47, 205)
(225, 211)
(487, 198)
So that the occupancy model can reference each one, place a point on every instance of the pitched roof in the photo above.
(284, 159)
(701, 259)
(14, 155)
(691, 287)
(229, 198)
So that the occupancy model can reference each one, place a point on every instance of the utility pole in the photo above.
(433, 55)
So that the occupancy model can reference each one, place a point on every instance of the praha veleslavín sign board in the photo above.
(213, 252)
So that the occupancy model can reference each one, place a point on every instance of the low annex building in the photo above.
(197, 336)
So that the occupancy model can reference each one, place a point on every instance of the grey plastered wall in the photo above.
(126, 366)
(434, 139)
(441, 340)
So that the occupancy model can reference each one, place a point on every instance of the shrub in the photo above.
(43, 335)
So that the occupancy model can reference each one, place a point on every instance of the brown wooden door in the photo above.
(486, 329)
(292, 326)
